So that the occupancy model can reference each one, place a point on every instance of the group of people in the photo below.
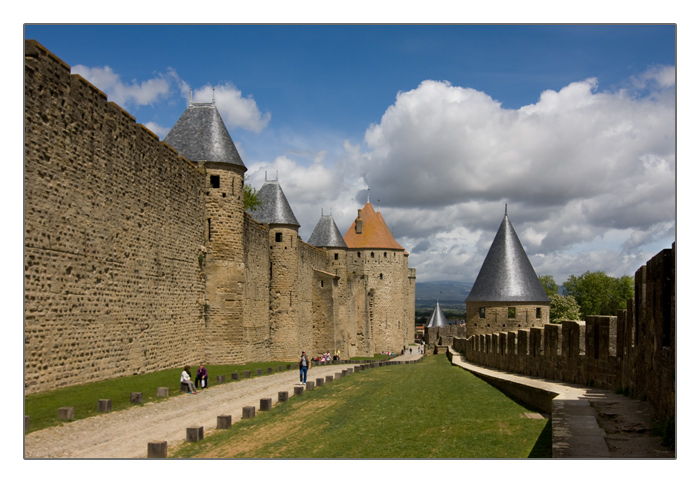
(201, 378)
(327, 357)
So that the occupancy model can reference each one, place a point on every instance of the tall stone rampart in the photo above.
(634, 351)
(112, 235)
(138, 260)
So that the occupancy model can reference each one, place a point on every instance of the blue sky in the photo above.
(572, 126)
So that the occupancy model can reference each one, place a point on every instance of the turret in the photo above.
(507, 294)
(201, 136)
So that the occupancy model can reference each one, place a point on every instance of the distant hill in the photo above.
(447, 292)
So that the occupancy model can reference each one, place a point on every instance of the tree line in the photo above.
(593, 293)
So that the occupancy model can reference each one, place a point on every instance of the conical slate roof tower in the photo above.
(437, 319)
(200, 135)
(274, 208)
(326, 234)
(507, 275)
(507, 295)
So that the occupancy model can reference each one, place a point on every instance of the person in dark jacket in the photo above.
(201, 377)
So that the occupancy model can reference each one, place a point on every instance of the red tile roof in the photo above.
(375, 233)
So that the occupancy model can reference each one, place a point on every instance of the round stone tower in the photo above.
(201, 136)
(287, 338)
(507, 295)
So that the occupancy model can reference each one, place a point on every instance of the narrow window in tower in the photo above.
(359, 254)
(511, 312)
(538, 313)
(336, 256)
(278, 237)
(214, 181)
(482, 312)
(321, 283)
(371, 254)
(381, 276)
(209, 229)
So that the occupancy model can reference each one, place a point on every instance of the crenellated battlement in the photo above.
(633, 352)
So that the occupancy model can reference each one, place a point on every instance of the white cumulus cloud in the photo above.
(235, 109)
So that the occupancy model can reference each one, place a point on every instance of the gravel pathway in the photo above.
(126, 434)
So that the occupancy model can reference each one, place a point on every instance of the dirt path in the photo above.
(126, 434)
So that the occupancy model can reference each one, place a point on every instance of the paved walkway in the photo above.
(586, 422)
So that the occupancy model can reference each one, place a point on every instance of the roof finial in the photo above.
(213, 97)
(190, 97)
(506, 209)
(367, 195)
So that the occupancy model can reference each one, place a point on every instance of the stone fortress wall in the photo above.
(634, 352)
(113, 227)
(136, 260)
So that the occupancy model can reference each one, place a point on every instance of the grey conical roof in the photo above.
(326, 234)
(200, 135)
(507, 275)
(274, 207)
(437, 319)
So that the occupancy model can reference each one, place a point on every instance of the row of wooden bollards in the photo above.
(67, 413)
(159, 449)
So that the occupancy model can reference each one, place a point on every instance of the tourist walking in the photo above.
(304, 364)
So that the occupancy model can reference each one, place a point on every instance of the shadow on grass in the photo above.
(543, 446)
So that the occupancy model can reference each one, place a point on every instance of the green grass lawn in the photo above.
(42, 408)
(425, 410)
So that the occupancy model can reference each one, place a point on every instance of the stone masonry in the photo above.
(138, 259)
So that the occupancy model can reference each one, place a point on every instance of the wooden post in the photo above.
(158, 449)
(66, 413)
(258, 372)
(195, 434)
(309, 385)
(282, 396)
(319, 381)
(246, 374)
(220, 379)
(223, 422)
(234, 376)
(298, 390)
(248, 412)
(329, 378)
(104, 405)
(136, 397)
(162, 392)
(265, 404)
